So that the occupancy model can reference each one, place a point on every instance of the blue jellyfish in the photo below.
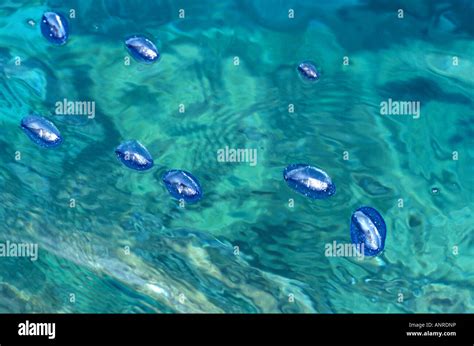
(182, 185)
(134, 155)
(41, 131)
(55, 28)
(309, 181)
(142, 49)
(368, 229)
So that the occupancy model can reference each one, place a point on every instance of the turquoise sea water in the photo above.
(127, 246)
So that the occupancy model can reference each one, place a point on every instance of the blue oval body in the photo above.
(309, 181)
(182, 185)
(134, 155)
(369, 230)
(41, 131)
(55, 28)
(308, 71)
(142, 49)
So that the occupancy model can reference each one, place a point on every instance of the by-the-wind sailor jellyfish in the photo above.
(182, 185)
(142, 49)
(41, 131)
(134, 155)
(308, 71)
(309, 181)
(368, 229)
(55, 28)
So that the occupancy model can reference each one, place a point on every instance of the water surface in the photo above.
(128, 247)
